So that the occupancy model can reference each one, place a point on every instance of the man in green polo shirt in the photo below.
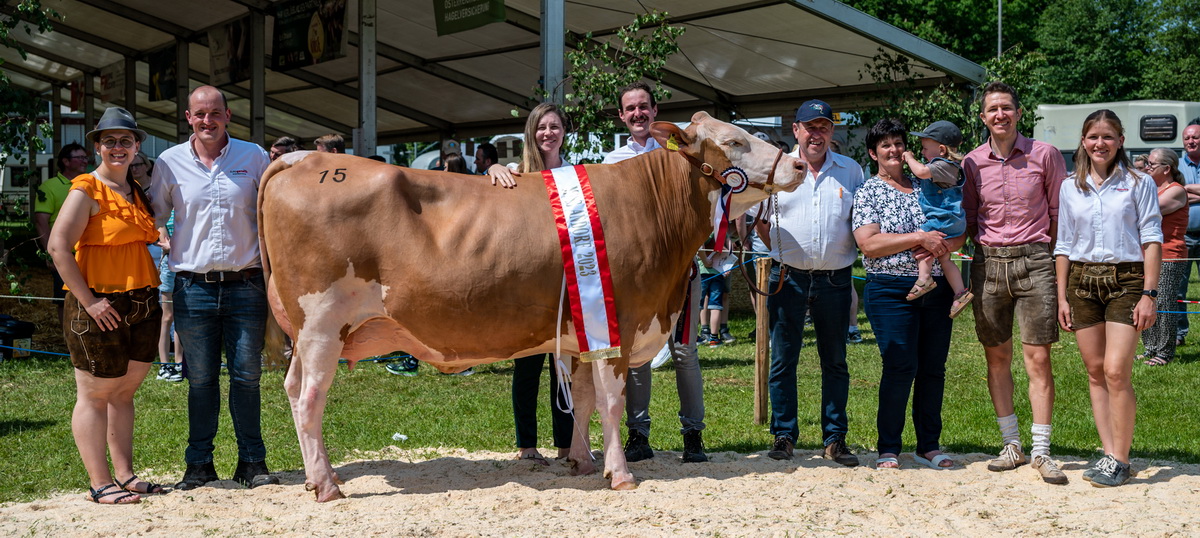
(72, 161)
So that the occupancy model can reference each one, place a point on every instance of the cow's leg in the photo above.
(318, 359)
(610, 377)
(583, 394)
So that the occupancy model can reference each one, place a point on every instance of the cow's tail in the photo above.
(273, 344)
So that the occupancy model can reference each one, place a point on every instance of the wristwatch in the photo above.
(1152, 293)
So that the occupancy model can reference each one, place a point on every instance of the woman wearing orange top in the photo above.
(1159, 340)
(112, 316)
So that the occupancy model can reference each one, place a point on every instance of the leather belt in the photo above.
(222, 276)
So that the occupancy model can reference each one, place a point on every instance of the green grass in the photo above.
(367, 406)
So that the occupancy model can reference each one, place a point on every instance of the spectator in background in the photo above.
(456, 163)
(1139, 163)
(99, 247)
(713, 289)
(285, 144)
(1159, 340)
(1189, 166)
(140, 171)
(331, 143)
(485, 156)
(72, 161)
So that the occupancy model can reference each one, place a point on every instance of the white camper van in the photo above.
(1148, 124)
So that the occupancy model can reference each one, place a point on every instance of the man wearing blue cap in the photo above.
(812, 247)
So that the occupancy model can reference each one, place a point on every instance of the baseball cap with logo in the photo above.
(813, 109)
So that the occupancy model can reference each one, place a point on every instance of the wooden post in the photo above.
(762, 351)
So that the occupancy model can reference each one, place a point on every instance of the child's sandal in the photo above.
(960, 303)
(921, 288)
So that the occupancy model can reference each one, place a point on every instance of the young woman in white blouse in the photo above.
(1107, 260)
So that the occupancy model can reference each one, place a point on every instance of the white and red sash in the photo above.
(585, 260)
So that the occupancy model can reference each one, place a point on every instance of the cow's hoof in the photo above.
(337, 479)
(330, 494)
(624, 485)
(581, 468)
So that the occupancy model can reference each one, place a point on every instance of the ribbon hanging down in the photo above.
(585, 260)
(734, 182)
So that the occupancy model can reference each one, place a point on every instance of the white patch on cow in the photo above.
(349, 300)
(296, 156)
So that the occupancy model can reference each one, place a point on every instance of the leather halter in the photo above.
(708, 170)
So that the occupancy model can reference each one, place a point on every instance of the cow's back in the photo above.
(459, 265)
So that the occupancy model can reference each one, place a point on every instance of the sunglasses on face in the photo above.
(111, 143)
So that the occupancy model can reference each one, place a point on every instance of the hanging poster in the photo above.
(229, 52)
(112, 82)
(309, 32)
(452, 16)
(163, 86)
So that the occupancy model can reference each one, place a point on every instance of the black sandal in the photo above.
(97, 494)
(151, 488)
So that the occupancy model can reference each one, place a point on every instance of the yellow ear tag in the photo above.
(672, 144)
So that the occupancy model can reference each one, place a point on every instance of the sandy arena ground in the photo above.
(451, 492)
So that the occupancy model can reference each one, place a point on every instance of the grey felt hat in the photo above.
(116, 118)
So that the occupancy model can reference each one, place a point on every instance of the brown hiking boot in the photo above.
(782, 449)
(837, 451)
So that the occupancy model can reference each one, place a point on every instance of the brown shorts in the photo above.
(1100, 292)
(107, 353)
(1015, 280)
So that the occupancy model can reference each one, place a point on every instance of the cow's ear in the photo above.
(670, 136)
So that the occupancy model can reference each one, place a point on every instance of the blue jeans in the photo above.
(827, 294)
(1192, 240)
(914, 339)
(209, 318)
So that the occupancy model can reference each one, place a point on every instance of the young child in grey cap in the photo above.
(941, 200)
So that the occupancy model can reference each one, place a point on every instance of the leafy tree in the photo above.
(1094, 49)
(1171, 69)
(597, 70)
(19, 107)
(964, 27)
(919, 106)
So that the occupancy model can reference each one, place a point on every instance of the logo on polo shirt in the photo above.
(239, 172)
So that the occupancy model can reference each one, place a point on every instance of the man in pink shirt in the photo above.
(1011, 202)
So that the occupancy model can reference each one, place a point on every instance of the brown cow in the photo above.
(364, 258)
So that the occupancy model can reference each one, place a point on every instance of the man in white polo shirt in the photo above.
(638, 110)
(211, 183)
(812, 244)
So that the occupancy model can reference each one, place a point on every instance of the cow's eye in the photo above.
(733, 143)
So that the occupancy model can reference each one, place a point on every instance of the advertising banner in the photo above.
(309, 32)
(454, 16)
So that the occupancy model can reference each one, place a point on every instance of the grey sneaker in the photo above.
(1010, 458)
(1110, 473)
(405, 367)
(854, 337)
(1090, 473)
(727, 337)
(1049, 470)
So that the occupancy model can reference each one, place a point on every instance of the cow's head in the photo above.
(732, 156)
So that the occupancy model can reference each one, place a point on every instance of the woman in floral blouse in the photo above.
(913, 336)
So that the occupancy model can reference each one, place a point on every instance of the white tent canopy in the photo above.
(739, 59)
